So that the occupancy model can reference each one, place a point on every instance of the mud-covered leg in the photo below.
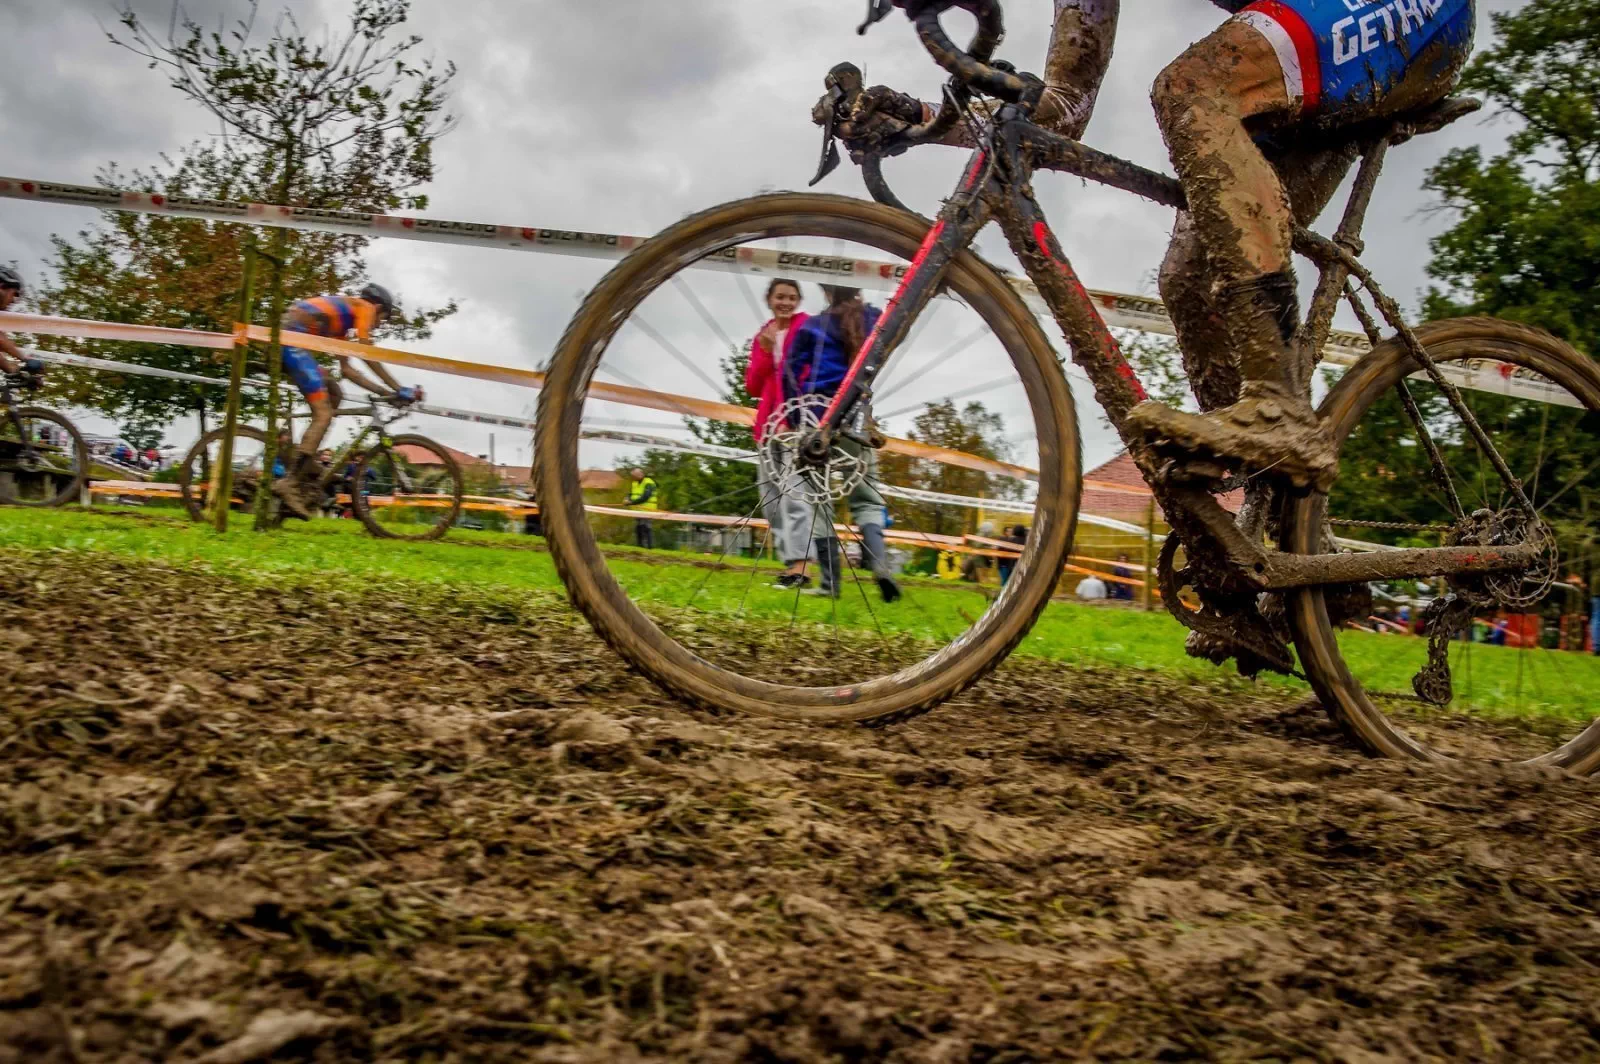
(1310, 173)
(1080, 51)
(1240, 214)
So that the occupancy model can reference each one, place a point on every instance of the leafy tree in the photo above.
(695, 484)
(974, 429)
(347, 123)
(1528, 219)
(1159, 365)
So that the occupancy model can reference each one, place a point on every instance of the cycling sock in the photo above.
(1263, 315)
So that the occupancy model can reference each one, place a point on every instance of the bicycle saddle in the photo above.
(1432, 118)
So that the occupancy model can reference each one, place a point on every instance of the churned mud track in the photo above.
(242, 823)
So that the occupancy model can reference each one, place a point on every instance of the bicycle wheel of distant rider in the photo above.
(407, 487)
(704, 629)
(197, 474)
(44, 460)
(1547, 427)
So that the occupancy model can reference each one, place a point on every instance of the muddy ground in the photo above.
(242, 824)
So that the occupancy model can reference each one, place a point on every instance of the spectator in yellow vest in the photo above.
(642, 496)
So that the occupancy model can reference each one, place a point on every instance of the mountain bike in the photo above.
(401, 486)
(1270, 583)
(44, 460)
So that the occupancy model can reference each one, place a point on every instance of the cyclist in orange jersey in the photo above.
(335, 316)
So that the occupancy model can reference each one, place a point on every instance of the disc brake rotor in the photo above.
(786, 432)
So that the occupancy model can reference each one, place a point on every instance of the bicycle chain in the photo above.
(1397, 526)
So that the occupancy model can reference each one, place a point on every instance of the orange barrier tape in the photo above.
(1114, 579)
(619, 393)
(47, 325)
(616, 393)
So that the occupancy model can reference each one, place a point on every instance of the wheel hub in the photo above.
(816, 467)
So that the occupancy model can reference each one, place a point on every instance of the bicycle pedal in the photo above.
(1190, 469)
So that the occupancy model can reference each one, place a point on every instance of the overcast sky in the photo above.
(624, 116)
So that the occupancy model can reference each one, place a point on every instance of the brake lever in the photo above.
(877, 11)
(829, 160)
(843, 81)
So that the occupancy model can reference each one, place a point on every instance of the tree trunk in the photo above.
(205, 461)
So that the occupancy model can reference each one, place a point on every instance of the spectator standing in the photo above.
(1119, 589)
(1017, 534)
(819, 356)
(642, 496)
(788, 515)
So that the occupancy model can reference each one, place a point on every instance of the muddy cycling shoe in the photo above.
(301, 491)
(291, 493)
(1269, 430)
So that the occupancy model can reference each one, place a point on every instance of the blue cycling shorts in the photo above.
(1344, 56)
(302, 368)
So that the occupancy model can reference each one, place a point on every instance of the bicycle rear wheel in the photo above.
(1521, 694)
(699, 615)
(44, 460)
(406, 487)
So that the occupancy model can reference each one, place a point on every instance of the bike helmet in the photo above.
(10, 278)
(376, 293)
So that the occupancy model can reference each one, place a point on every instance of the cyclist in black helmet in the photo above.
(12, 360)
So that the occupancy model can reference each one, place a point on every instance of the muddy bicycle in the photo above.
(44, 460)
(1273, 582)
(401, 486)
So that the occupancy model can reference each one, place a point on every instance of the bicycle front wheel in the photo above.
(44, 460)
(693, 593)
(407, 487)
(1507, 677)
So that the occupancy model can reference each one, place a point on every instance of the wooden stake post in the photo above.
(269, 458)
(222, 475)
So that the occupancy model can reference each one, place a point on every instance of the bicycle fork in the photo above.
(963, 215)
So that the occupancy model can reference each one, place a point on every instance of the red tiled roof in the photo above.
(422, 456)
(599, 480)
(1116, 501)
(517, 476)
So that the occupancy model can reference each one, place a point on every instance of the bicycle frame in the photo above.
(377, 422)
(1231, 559)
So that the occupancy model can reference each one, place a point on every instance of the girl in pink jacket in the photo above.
(788, 516)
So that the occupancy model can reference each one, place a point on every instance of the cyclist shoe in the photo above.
(1269, 430)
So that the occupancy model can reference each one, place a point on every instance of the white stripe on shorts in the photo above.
(1283, 44)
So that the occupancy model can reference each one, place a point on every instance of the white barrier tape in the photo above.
(351, 223)
(132, 369)
(1120, 309)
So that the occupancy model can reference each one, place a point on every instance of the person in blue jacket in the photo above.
(819, 358)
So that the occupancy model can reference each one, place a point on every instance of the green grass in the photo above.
(1500, 681)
